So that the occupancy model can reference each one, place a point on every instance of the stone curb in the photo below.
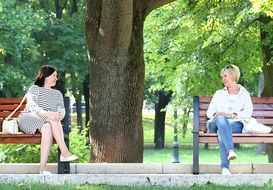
(137, 168)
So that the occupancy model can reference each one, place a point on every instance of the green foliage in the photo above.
(17, 46)
(79, 144)
(187, 43)
(32, 36)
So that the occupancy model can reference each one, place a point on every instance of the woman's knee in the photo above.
(220, 120)
(55, 123)
(46, 128)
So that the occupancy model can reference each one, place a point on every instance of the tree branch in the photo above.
(150, 5)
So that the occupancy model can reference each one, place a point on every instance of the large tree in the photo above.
(114, 31)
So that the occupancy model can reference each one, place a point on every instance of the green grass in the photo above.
(148, 126)
(24, 186)
(206, 156)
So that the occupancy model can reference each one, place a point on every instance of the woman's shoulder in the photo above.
(243, 90)
(33, 88)
(57, 92)
(220, 92)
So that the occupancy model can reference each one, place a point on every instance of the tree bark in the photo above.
(114, 31)
(163, 99)
(79, 112)
(86, 99)
(267, 68)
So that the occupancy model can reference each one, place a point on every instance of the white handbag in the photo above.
(10, 126)
(252, 126)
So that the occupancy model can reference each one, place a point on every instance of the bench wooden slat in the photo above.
(6, 114)
(238, 138)
(11, 107)
(9, 101)
(255, 107)
(20, 138)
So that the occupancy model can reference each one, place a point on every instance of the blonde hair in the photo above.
(233, 71)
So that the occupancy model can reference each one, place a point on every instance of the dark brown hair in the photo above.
(44, 71)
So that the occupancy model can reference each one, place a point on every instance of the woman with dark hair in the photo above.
(44, 112)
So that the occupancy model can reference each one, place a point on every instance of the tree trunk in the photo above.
(86, 99)
(61, 83)
(74, 7)
(79, 112)
(163, 99)
(267, 67)
(186, 115)
(114, 31)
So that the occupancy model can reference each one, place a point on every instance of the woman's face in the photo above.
(51, 80)
(227, 79)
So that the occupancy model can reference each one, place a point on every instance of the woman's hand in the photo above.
(227, 115)
(56, 116)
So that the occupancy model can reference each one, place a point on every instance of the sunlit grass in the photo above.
(31, 186)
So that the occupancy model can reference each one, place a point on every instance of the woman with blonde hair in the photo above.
(228, 107)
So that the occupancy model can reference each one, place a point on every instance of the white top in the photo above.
(240, 103)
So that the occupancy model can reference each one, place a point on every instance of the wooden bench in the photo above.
(7, 105)
(263, 112)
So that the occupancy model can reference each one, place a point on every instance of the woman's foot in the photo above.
(231, 155)
(44, 172)
(68, 158)
(225, 171)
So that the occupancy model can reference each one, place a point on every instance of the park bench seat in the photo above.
(262, 111)
(7, 105)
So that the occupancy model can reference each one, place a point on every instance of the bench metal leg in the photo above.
(195, 167)
(63, 167)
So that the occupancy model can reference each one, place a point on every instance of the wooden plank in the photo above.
(262, 107)
(11, 107)
(4, 101)
(238, 138)
(20, 138)
(263, 100)
(6, 114)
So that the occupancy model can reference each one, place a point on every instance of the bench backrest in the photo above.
(263, 110)
(7, 106)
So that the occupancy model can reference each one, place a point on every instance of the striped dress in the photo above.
(39, 98)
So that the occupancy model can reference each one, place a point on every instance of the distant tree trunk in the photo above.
(114, 31)
(59, 6)
(266, 43)
(86, 99)
(74, 7)
(186, 114)
(79, 112)
(2, 94)
(162, 100)
(61, 78)
(61, 83)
